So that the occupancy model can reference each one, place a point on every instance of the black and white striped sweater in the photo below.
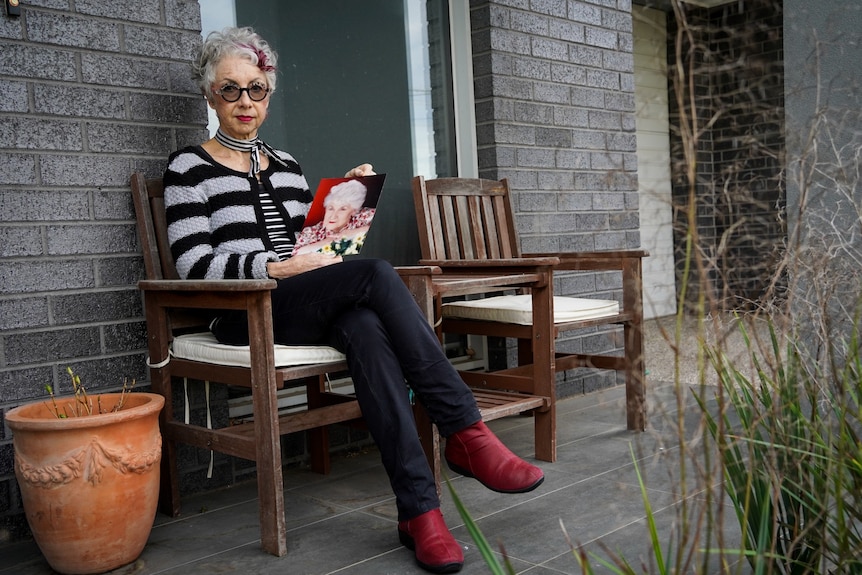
(215, 222)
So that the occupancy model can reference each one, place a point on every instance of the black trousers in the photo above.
(362, 308)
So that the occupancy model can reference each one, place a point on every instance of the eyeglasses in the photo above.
(231, 93)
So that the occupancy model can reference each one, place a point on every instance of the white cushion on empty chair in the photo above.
(205, 347)
(519, 309)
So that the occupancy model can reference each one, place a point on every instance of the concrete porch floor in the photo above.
(346, 522)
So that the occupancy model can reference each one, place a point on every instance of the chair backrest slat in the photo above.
(465, 219)
(149, 200)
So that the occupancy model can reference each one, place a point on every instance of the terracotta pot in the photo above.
(89, 484)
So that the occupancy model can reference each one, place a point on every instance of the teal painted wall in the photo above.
(342, 99)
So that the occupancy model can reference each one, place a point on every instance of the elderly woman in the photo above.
(344, 218)
(233, 207)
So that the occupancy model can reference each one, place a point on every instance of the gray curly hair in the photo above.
(242, 42)
(351, 192)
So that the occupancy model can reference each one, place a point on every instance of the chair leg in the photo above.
(635, 378)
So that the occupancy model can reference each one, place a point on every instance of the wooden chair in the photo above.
(180, 346)
(466, 226)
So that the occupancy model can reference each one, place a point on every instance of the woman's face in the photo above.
(240, 119)
(337, 216)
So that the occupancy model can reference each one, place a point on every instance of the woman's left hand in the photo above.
(360, 170)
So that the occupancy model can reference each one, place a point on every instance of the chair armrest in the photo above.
(406, 271)
(596, 260)
(207, 285)
(513, 264)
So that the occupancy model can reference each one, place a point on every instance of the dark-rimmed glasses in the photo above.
(231, 93)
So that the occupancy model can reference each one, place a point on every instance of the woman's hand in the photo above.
(299, 264)
(360, 170)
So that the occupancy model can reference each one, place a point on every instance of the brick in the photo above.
(144, 11)
(569, 201)
(45, 276)
(533, 113)
(512, 88)
(181, 81)
(611, 241)
(555, 137)
(608, 201)
(11, 28)
(619, 61)
(554, 93)
(603, 79)
(512, 42)
(20, 241)
(605, 120)
(13, 96)
(166, 108)
(578, 243)
(533, 24)
(580, 12)
(623, 142)
(159, 42)
(33, 206)
(586, 56)
(592, 222)
(124, 71)
(557, 8)
(600, 38)
(116, 138)
(535, 158)
(33, 134)
(588, 97)
(605, 161)
(556, 180)
(66, 30)
(568, 74)
(120, 271)
(588, 140)
(514, 134)
(101, 306)
(91, 239)
(625, 221)
(531, 68)
(620, 101)
(191, 137)
(51, 345)
(572, 117)
(550, 49)
(566, 30)
(29, 312)
(32, 61)
(108, 373)
(17, 169)
(91, 171)
(129, 336)
(536, 202)
(572, 159)
(184, 14)
(113, 205)
(73, 101)
(615, 20)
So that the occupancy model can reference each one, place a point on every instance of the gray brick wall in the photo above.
(87, 94)
(554, 88)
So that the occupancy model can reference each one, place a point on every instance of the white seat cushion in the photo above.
(519, 309)
(205, 347)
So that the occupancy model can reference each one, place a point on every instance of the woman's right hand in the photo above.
(299, 264)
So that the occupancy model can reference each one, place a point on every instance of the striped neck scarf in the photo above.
(255, 145)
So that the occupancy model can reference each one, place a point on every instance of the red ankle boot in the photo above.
(427, 535)
(476, 452)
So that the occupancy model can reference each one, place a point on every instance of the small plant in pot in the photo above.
(88, 469)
